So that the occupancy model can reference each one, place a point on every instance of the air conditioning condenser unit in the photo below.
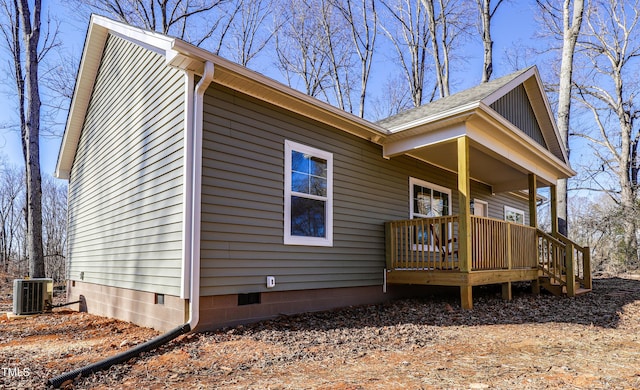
(32, 296)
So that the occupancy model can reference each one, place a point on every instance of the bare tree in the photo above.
(191, 20)
(54, 203)
(448, 24)
(248, 32)
(300, 47)
(487, 11)
(441, 68)
(394, 98)
(362, 21)
(24, 27)
(410, 38)
(611, 45)
(11, 218)
(338, 52)
(567, 26)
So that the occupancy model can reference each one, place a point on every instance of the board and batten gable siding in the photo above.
(243, 200)
(125, 186)
(516, 108)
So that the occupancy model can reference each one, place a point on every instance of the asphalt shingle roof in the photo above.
(468, 96)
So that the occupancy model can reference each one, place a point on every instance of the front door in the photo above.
(480, 208)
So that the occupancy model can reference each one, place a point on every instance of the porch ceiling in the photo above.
(485, 166)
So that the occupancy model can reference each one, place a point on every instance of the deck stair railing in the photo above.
(564, 263)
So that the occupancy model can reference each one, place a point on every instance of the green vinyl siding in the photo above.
(243, 200)
(125, 186)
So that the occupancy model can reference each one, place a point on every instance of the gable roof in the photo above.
(440, 107)
(484, 96)
(183, 55)
(400, 134)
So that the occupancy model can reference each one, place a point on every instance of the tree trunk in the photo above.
(487, 43)
(428, 5)
(571, 30)
(31, 36)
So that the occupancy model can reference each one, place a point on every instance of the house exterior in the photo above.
(201, 191)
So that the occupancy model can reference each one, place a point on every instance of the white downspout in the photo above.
(196, 194)
(187, 187)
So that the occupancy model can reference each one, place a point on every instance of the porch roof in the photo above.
(510, 126)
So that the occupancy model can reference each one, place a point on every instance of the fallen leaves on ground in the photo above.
(531, 342)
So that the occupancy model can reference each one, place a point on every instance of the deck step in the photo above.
(558, 289)
(581, 291)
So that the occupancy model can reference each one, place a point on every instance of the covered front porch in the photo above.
(501, 135)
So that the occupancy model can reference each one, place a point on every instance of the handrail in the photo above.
(564, 261)
(551, 238)
(582, 259)
(551, 257)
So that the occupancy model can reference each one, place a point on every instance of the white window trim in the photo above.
(516, 211)
(289, 239)
(422, 183)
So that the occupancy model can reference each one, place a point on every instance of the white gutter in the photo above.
(194, 192)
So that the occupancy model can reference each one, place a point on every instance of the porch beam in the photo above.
(554, 210)
(464, 206)
(533, 209)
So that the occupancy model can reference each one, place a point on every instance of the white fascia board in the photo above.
(456, 112)
(150, 40)
(406, 145)
(87, 71)
(530, 157)
(508, 87)
(541, 106)
(97, 33)
(512, 133)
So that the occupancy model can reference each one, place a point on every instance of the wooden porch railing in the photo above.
(497, 244)
(432, 244)
(422, 244)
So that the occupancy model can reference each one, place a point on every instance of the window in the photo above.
(308, 191)
(513, 215)
(429, 200)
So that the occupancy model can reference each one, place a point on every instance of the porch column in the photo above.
(554, 210)
(533, 191)
(464, 226)
(533, 221)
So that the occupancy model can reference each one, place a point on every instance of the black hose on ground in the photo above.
(119, 358)
(49, 306)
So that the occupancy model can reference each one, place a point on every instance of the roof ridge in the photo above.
(461, 98)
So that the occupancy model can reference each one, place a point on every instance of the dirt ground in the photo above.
(531, 342)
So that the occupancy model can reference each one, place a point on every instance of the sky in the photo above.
(514, 25)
